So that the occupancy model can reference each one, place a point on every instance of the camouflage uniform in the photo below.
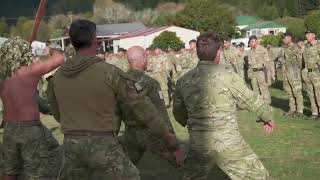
(230, 59)
(138, 137)
(186, 61)
(243, 57)
(311, 58)
(291, 66)
(256, 59)
(118, 61)
(205, 101)
(270, 66)
(30, 151)
(157, 68)
(102, 155)
(91, 149)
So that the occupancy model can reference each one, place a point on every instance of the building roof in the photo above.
(143, 32)
(266, 24)
(246, 20)
(118, 29)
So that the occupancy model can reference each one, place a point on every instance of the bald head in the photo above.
(137, 58)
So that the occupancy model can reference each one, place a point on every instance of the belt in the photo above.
(257, 69)
(23, 123)
(89, 133)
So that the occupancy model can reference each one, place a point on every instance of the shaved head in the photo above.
(137, 57)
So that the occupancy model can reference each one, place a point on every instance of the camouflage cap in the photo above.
(14, 53)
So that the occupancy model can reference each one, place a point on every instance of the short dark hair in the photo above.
(192, 41)
(81, 33)
(122, 50)
(208, 45)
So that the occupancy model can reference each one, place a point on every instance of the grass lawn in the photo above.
(292, 152)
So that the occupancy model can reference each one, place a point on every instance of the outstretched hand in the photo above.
(267, 126)
(180, 157)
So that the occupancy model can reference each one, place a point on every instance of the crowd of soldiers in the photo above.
(297, 63)
(91, 94)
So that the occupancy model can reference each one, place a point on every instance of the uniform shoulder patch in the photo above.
(138, 87)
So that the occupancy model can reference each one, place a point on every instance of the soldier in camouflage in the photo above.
(84, 95)
(230, 58)
(243, 56)
(269, 64)
(29, 147)
(157, 68)
(138, 137)
(257, 57)
(311, 56)
(291, 67)
(205, 101)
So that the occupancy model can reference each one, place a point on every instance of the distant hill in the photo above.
(15, 8)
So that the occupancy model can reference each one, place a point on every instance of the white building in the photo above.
(104, 34)
(265, 28)
(144, 38)
(252, 25)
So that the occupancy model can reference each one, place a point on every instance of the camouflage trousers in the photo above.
(259, 85)
(138, 139)
(96, 157)
(293, 86)
(271, 72)
(228, 150)
(312, 80)
(30, 151)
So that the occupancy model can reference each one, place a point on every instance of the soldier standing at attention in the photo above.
(270, 66)
(257, 57)
(292, 83)
(230, 57)
(83, 95)
(311, 57)
(138, 137)
(205, 101)
(25, 139)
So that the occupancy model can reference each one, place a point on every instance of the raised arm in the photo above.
(40, 68)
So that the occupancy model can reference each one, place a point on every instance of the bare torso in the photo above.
(19, 92)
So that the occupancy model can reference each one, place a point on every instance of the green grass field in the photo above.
(292, 152)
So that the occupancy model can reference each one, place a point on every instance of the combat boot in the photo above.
(314, 117)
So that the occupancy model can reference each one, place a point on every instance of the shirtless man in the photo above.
(26, 141)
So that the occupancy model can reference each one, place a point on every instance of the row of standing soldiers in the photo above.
(297, 62)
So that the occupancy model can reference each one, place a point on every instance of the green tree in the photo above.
(167, 40)
(204, 16)
(268, 12)
(275, 40)
(312, 21)
(295, 26)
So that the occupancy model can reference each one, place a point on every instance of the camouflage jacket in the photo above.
(152, 90)
(257, 57)
(207, 96)
(311, 55)
(230, 58)
(290, 57)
